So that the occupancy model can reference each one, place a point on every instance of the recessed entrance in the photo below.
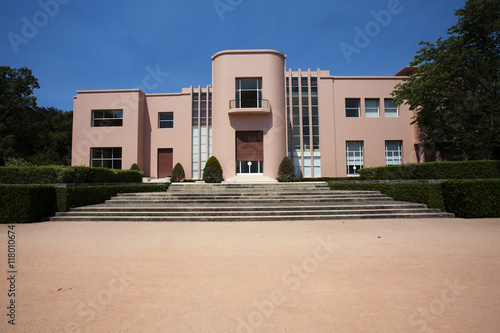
(249, 152)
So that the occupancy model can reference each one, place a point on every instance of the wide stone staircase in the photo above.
(249, 202)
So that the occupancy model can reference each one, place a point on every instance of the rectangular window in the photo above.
(107, 118)
(351, 108)
(166, 120)
(391, 109)
(371, 108)
(106, 157)
(249, 93)
(393, 152)
(354, 156)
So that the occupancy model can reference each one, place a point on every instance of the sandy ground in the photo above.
(330, 276)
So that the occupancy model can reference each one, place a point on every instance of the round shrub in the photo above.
(178, 174)
(212, 173)
(135, 167)
(286, 170)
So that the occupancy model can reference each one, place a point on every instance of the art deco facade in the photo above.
(255, 113)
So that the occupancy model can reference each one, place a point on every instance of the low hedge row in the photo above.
(435, 170)
(66, 174)
(429, 194)
(32, 203)
(68, 197)
(28, 203)
(472, 199)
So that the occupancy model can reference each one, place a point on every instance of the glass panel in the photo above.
(352, 103)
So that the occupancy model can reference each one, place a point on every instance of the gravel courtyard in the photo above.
(422, 275)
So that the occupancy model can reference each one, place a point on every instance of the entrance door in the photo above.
(165, 162)
(249, 152)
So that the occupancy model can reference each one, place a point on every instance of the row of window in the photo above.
(112, 118)
(372, 108)
(355, 155)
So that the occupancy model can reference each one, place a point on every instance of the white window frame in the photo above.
(393, 111)
(370, 111)
(354, 158)
(105, 121)
(394, 157)
(113, 159)
(351, 109)
(167, 121)
(240, 89)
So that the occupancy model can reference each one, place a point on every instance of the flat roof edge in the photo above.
(258, 51)
(108, 91)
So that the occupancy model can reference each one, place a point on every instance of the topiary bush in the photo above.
(286, 170)
(135, 167)
(472, 198)
(212, 173)
(178, 174)
(435, 170)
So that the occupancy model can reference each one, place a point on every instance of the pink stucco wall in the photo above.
(140, 136)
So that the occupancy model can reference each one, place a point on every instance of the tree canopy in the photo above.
(455, 91)
(30, 134)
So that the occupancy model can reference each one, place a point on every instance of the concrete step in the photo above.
(248, 202)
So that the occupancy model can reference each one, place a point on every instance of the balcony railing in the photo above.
(249, 106)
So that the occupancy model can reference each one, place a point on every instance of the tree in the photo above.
(286, 170)
(212, 173)
(178, 174)
(16, 107)
(455, 90)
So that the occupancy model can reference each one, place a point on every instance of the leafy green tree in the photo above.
(455, 91)
(212, 173)
(16, 108)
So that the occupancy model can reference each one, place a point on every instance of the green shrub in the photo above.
(66, 174)
(212, 173)
(178, 174)
(28, 203)
(286, 170)
(135, 167)
(472, 199)
(429, 194)
(78, 196)
(435, 170)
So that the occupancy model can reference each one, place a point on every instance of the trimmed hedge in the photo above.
(21, 204)
(429, 194)
(435, 170)
(66, 174)
(32, 203)
(68, 197)
(472, 199)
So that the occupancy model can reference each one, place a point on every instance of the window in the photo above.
(166, 120)
(354, 156)
(393, 152)
(249, 93)
(106, 157)
(352, 107)
(371, 108)
(102, 118)
(391, 109)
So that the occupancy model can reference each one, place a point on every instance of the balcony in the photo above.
(249, 106)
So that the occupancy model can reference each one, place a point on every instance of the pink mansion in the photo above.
(253, 115)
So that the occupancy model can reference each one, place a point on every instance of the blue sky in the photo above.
(75, 45)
